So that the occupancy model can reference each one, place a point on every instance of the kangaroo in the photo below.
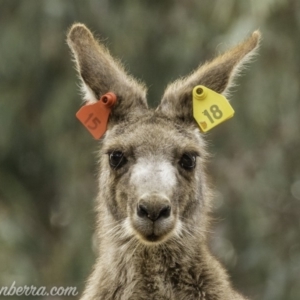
(154, 201)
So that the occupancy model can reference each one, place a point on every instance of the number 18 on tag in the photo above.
(210, 108)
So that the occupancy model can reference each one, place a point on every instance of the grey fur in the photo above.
(168, 257)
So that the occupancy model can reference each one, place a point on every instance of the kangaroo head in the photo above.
(152, 179)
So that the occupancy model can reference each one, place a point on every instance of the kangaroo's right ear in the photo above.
(100, 74)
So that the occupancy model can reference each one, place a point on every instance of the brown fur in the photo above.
(139, 257)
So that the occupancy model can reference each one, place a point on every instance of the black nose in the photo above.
(153, 211)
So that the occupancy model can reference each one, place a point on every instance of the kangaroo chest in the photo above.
(155, 280)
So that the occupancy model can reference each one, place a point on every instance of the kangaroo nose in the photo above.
(153, 208)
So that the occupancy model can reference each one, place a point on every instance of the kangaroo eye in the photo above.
(188, 161)
(117, 159)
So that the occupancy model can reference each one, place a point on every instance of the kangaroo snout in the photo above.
(154, 217)
(154, 208)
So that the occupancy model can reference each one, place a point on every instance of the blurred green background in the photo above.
(48, 160)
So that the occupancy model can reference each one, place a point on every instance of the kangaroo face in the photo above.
(152, 182)
(156, 170)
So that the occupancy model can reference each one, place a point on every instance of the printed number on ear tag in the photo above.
(210, 108)
(95, 116)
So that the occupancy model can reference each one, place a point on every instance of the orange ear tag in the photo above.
(95, 116)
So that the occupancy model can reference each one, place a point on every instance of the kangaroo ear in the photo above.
(100, 74)
(217, 75)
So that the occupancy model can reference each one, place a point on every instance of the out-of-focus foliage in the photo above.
(48, 163)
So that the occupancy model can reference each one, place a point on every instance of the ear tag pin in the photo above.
(95, 116)
(210, 108)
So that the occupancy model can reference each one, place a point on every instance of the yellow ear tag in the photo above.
(210, 108)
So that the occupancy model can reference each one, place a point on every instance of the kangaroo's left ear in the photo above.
(218, 75)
